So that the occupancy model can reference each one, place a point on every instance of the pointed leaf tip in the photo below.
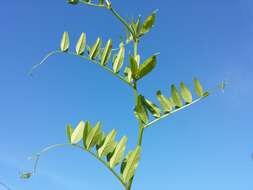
(185, 92)
(77, 134)
(147, 66)
(65, 42)
(81, 43)
(176, 96)
(198, 88)
(118, 62)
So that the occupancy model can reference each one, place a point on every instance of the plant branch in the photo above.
(141, 128)
(115, 13)
(172, 112)
(80, 56)
(38, 155)
(123, 21)
(220, 86)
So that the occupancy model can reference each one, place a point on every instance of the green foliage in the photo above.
(104, 147)
(140, 109)
(65, 42)
(186, 94)
(131, 164)
(80, 46)
(94, 51)
(147, 67)
(148, 23)
(106, 53)
(118, 62)
(165, 103)
(198, 88)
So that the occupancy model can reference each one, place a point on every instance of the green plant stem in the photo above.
(38, 155)
(123, 21)
(80, 56)
(141, 128)
(115, 13)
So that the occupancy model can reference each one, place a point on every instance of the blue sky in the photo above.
(208, 146)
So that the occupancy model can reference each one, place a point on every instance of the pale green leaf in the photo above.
(128, 74)
(118, 152)
(164, 102)
(176, 96)
(118, 62)
(152, 108)
(147, 66)
(65, 42)
(86, 131)
(185, 92)
(81, 43)
(95, 49)
(131, 164)
(133, 66)
(148, 23)
(108, 145)
(106, 53)
(77, 134)
(198, 88)
(69, 130)
(100, 141)
(123, 164)
(93, 136)
(140, 110)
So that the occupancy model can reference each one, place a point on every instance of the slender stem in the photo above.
(38, 155)
(123, 21)
(104, 163)
(136, 47)
(80, 56)
(115, 13)
(141, 128)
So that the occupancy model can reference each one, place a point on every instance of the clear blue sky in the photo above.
(208, 146)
